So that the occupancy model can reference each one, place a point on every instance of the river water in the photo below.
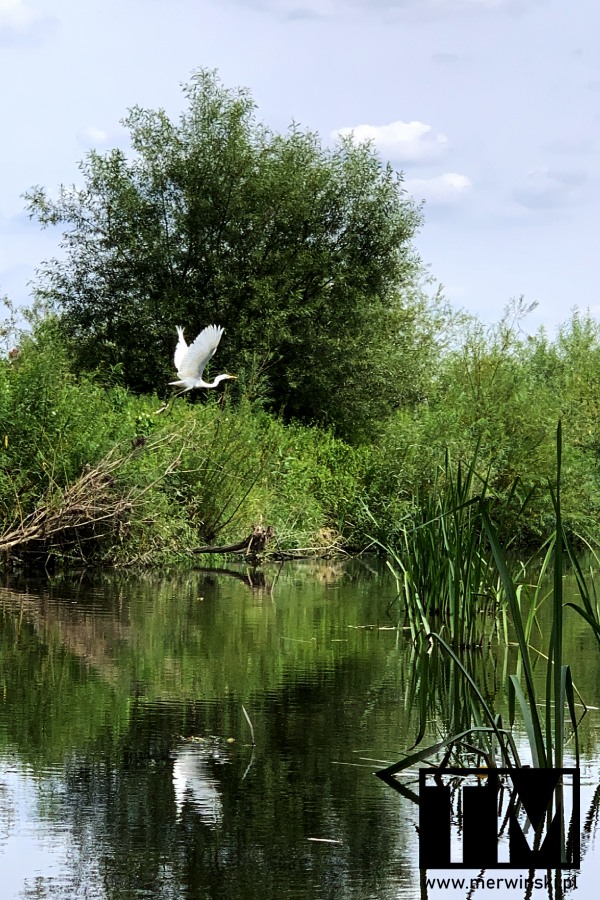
(127, 768)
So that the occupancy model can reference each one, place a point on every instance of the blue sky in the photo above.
(491, 108)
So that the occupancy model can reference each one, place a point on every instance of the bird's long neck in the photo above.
(217, 381)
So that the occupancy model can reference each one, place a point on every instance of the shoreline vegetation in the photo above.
(91, 476)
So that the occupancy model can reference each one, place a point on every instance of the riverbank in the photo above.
(93, 474)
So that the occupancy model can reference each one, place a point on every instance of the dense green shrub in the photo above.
(504, 392)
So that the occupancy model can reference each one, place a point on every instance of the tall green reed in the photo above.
(546, 734)
(546, 731)
(443, 569)
(590, 611)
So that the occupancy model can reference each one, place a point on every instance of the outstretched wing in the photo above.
(198, 354)
(181, 348)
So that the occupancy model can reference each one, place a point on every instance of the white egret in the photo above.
(191, 361)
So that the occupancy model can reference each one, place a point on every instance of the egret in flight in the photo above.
(191, 361)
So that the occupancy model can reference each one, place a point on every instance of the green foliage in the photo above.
(303, 253)
(502, 391)
(205, 473)
(319, 482)
(52, 424)
(131, 486)
(237, 465)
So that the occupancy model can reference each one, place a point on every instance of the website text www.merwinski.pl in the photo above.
(499, 883)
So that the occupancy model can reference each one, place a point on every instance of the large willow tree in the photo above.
(303, 252)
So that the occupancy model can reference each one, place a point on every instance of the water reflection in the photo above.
(132, 769)
(195, 781)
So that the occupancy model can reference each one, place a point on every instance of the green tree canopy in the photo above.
(302, 252)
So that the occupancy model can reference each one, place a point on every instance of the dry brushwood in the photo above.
(87, 510)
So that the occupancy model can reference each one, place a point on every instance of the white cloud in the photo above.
(16, 15)
(547, 188)
(93, 135)
(21, 22)
(399, 141)
(441, 190)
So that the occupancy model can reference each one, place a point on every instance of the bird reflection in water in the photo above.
(194, 779)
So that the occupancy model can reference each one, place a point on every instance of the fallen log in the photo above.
(251, 546)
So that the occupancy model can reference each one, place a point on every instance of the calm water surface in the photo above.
(126, 764)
